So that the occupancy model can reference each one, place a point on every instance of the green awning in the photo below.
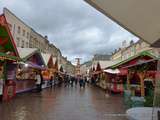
(144, 53)
(4, 56)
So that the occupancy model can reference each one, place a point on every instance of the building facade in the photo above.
(133, 49)
(26, 37)
(19, 30)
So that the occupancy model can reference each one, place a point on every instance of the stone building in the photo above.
(27, 37)
(67, 66)
(85, 67)
(19, 30)
(133, 49)
(99, 57)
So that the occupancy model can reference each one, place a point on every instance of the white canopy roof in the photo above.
(116, 71)
(46, 57)
(24, 52)
(54, 60)
(107, 63)
(140, 17)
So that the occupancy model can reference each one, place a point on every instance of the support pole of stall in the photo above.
(142, 76)
(5, 71)
(128, 80)
(156, 99)
(4, 78)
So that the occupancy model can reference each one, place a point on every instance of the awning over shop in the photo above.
(32, 57)
(112, 71)
(140, 17)
(4, 56)
(134, 60)
(35, 66)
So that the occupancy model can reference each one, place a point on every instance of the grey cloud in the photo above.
(72, 25)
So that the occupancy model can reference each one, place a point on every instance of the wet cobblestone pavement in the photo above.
(63, 103)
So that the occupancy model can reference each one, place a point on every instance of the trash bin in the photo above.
(127, 98)
(137, 101)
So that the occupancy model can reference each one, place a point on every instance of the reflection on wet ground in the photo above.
(63, 103)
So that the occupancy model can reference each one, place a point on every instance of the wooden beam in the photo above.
(128, 80)
(142, 76)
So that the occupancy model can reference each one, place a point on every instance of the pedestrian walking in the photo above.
(75, 80)
(51, 81)
(66, 81)
(72, 81)
(39, 81)
(84, 82)
(60, 80)
(81, 82)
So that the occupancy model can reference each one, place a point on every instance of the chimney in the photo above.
(131, 42)
(46, 37)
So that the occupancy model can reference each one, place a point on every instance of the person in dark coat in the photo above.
(39, 81)
(51, 81)
(72, 81)
(81, 82)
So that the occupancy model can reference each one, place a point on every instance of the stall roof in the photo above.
(8, 57)
(140, 17)
(144, 53)
(7, 46)
(54, 59)
(105, 64)
(46, 58)
(25, 53)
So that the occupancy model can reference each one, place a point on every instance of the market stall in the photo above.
(49, 73)
(100, 75)
(26, 72)
(8, 59)
(115, 80)
(140, 76)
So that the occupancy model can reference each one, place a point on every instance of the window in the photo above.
(27, 44)
(10, 26)
(27, 35)
(22, 44)
(19, 30)
(18, 41)
(24, 32)
(30, 45)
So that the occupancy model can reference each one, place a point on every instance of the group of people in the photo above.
(68, 81)
(72, 80)
(57, 79)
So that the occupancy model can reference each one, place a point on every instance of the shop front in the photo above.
(8, 59)
(26, 72)
(50, 72)
(140, 79)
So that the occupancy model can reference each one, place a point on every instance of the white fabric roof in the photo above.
(46, 57)
(116, 71)
(24, 52)
(54, 60)
(105, 64)
(140, 17)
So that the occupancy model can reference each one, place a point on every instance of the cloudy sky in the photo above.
(72, 25)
